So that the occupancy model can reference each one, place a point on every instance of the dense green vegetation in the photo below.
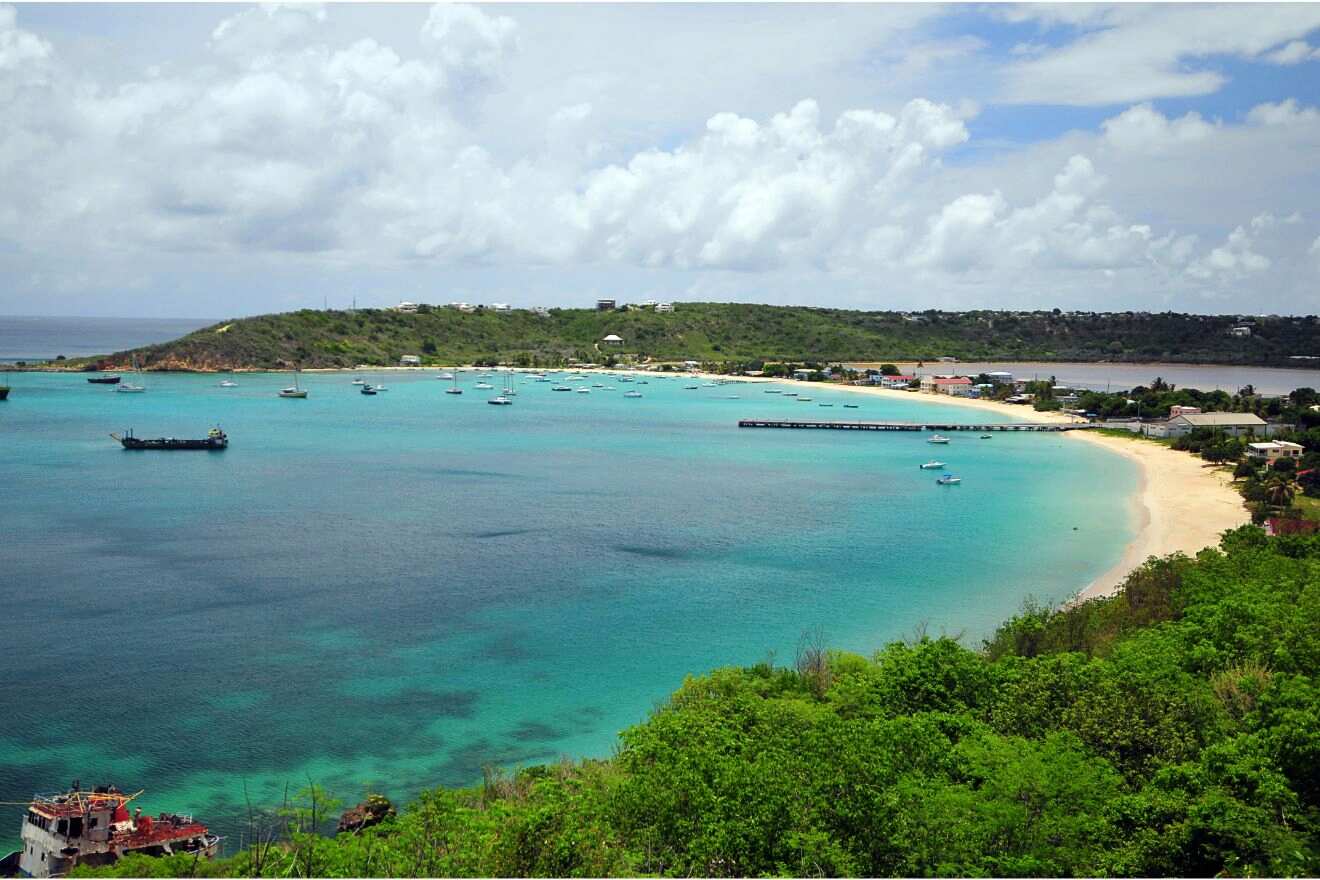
(724, 332)
(1173, 730)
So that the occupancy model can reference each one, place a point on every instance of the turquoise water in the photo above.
(391, 592)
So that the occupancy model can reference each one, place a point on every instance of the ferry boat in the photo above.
(948, 480)
(932, 465)
(103, 380)
(216, 439)
(938, 438)
(94, 828)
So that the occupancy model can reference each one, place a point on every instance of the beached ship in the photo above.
(93, 828)
(215, 439)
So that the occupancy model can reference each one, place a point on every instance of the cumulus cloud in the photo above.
(1294, 52)
(287, 142)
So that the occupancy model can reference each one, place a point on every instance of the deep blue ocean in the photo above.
(35, 338)
(390, 592)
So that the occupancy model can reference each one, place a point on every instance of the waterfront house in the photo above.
(410, 360)
(899, 382)
(1232, 424)
(1273, 450)
(954, 386)
(806, 374)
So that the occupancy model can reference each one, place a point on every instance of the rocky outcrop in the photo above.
(374, 810)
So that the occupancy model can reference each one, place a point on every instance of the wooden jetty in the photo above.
(817, 424)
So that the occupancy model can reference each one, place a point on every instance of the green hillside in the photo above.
(1172, 730)
(720, 332)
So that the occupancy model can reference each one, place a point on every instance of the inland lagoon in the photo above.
(392, 592)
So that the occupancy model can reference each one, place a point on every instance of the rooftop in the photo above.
(1217, 419)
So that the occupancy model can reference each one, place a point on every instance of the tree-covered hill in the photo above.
(722, 332)
(1173, 730)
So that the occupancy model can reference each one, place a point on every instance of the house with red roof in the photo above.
(954, 386)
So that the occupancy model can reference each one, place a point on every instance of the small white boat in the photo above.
(129, 387)
(632, 394)
(380, 387)
(584, 391)
(824, 404)
(690, 387)
(483, 386)
(597, 385)
(790, 394)
(228, 384)
(708, 385)
(948, 480)
(561, 388)
(359, 381)
(932, 465)
(770, 391)
(731, 397)
(445, 376)
(500, 401)
(804, 400)
(938, 438)
(453, 391)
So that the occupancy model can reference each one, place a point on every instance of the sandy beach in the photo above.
(1184, 505)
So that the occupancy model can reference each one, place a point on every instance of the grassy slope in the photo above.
(717, 332)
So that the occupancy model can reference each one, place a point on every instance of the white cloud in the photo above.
(1294, 52)
(1284, 113)
(1129, 53)
(1143, 129)
(471, 44)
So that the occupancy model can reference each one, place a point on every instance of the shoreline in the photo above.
(1183, 504)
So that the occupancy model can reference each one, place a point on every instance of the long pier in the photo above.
(817, 424)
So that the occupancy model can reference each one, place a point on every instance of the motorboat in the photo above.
(359, 381)
(500, 401)
(632, 394)
(850, 406)
(932, 465)
(804, 400)
(938, 438)
(948, 480)
(584, 391)
(367, 389)
(985, 436)
(445, 376)
(561, 388)
(228, 384)
(483, 386)
(824, 404)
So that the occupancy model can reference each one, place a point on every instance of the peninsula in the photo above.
(716, 333)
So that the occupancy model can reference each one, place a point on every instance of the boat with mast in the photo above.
(294, 390)
(103, 380)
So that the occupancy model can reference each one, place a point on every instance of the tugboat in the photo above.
(216, 439)
(94, 828)
(103, 380)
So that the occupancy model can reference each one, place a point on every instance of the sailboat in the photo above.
(129, 387)
(504, 399)
(294, 390)
(454, 389)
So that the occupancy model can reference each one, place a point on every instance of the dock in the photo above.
(817, 424)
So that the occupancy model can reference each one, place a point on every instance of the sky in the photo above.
(217, 160)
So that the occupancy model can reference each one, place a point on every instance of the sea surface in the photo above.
(30, 338)
(391, 592)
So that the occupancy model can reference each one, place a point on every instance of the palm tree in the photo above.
(1280, 491)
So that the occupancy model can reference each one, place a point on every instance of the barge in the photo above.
(215, 439)
(93, 828)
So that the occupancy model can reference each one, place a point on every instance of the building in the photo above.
(1241, 332)
(405, 306)
(1175, 411)
(954, 386)
(1273, 450)
(1000, 377)
(466, 308)
(806, 374)
(540, 311)
(1231, 424)
(648, 304)
(501, 307)
(604, 305)
(612, 339)
(410, 360)
(899, 382)
(664, 307)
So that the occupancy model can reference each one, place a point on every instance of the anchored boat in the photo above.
(216, 439)
(103, 380)
(94, 828)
